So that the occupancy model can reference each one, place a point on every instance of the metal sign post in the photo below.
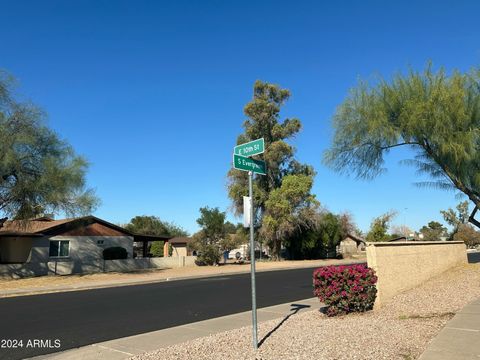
(242, 161)
(252, 263)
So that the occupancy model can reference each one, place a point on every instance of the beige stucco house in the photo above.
(35, 244)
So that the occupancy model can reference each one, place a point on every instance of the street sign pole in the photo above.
(252, 262)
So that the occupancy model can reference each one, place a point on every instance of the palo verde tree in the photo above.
(435, 114)
(39, 172)
(263, 120)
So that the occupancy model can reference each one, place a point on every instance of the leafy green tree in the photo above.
(433, 231)
(456, 218)
(212, 222)
(321, 240)
(39, 172)
(263, 120)
(379, 228)
(152, 225)
(330, 230)
(213, 235)
(435, 114)
(288, 208)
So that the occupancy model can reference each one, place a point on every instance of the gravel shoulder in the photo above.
(73, 282)
(399, 330)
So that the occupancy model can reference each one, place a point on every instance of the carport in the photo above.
(145, 239)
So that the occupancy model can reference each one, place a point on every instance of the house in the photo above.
(45, 246)
(44, 239)
(351, 245)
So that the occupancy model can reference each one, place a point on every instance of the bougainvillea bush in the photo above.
(345, 288)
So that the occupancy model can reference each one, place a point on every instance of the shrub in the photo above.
(208, 255)
(115, 253)
(345, 288)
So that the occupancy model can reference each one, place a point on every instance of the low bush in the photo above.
(345, 288)
(208, 255)
(115, 253)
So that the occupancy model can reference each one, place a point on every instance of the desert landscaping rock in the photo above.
(399, 330)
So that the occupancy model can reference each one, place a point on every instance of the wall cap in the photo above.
(413, 243)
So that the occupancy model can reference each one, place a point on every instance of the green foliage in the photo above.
(435, 114)
(233, 241)
(379, 228)
(39, 172)
(321, 240)
(212, 222)
(330, 231)
(215, 235)
(456, 218)
(263, 120)
(152, 225)
(433, 231)
(209, 254)
(115, 253)
(468, 235)
(289, 207)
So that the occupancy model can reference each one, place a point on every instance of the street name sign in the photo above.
(248, 164)
(251, 148)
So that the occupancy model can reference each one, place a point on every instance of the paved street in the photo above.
(86, 317)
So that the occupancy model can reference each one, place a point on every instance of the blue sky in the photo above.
(152, 92)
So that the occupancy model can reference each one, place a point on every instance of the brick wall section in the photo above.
(402, 266)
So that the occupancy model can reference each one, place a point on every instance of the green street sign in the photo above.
(247, 164)
(251, 148)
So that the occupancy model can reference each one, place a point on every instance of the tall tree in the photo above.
(39, 172)
(263, 120)
(435, 114)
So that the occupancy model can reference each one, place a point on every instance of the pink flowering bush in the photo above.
(345, 288)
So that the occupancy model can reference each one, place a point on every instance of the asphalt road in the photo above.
(85, 317)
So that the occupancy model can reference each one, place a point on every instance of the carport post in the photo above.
(252, 263)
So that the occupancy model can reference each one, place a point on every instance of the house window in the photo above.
(99, 242)
(59, 248)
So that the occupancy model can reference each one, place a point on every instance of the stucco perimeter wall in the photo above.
(402, 266)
